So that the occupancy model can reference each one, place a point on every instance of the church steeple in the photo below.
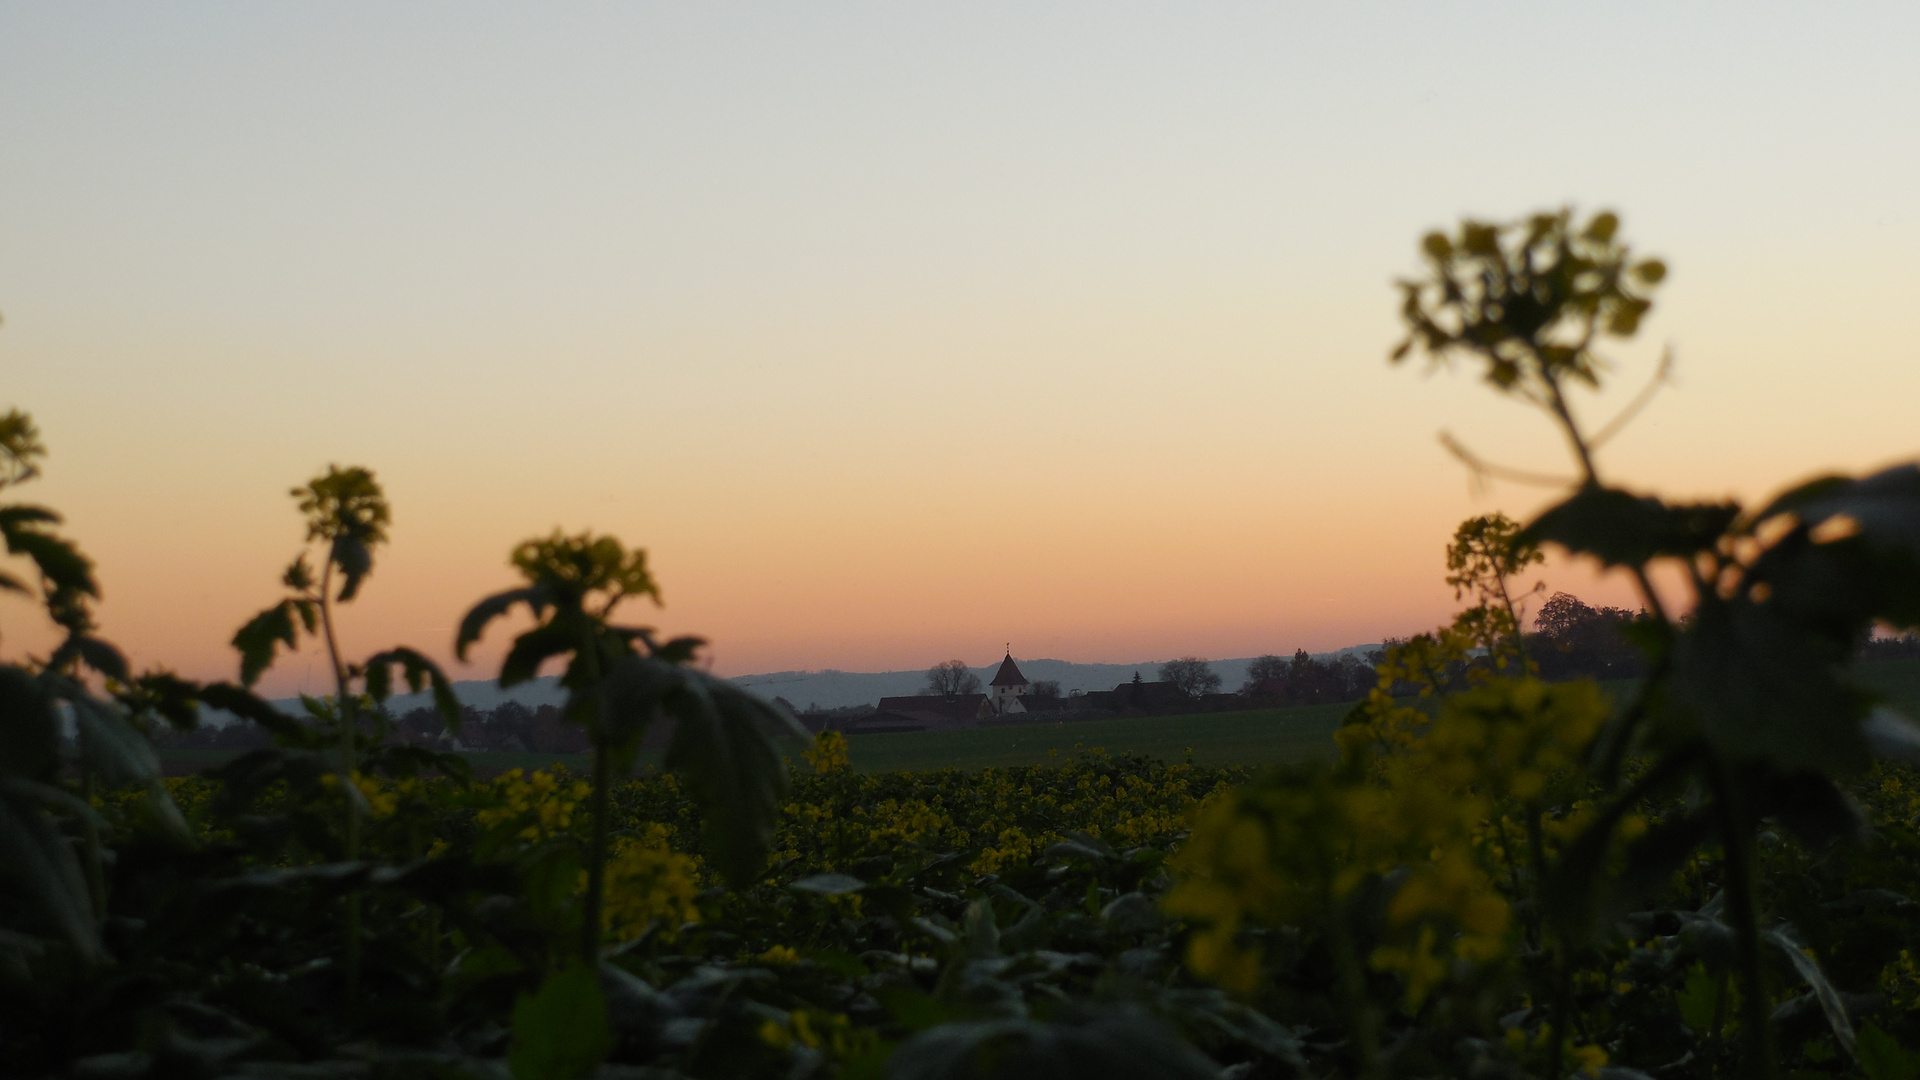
(1008, 684)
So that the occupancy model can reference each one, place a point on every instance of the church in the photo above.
(1006, 690)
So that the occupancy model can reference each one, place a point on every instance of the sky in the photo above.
(896, 332)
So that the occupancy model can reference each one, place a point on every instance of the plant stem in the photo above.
(1738, 838)
(1353, 992)
(349, 752)
(96, 875)
(596, 857)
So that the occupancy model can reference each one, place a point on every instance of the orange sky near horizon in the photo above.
(895, 336)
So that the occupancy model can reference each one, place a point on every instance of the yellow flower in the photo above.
(780, 955)
(828, 753)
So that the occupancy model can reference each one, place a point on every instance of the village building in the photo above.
(1007, 688)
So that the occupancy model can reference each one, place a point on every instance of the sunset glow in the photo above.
(897, 334)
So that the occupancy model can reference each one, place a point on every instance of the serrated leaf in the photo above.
(101, 656)
(419, 672)
(1622, 529)
(247, 705)
(1881, 1056)
(532, 649)
(724, 744)
(560, 1032)
(260, 637)
(476, 620)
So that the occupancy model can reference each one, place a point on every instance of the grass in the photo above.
(1254, 737)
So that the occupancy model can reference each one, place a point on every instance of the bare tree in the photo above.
(1192, 674)
(951, 677)
(1045, 688)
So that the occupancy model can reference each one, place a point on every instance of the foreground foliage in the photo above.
(1499, 877)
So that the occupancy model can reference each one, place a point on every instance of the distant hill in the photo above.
(831, 689)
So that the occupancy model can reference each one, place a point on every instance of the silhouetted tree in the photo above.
(1268, 671)
(1045, 688)
(1572, 639)
(1192, 674)
(951, 677)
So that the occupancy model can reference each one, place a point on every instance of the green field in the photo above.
(1254, 737)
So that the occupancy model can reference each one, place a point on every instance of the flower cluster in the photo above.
(649, 886)
(540, 803)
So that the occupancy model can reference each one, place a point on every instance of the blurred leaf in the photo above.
(724, 744)
(1758, 690)
(165, 695)
(1886, 505)
(40, 860)
(829, 884)
(1114, 1044)
(350, 554)
(560, 1032)
(1891, 735)
(58, 560)
(532, 649)
(99, 655)
(1881, 1057)
(257, 640)
(419, 672)
(1809, 969)
(115, 750)
(29, 725)
(247, 705)
(631, 694)
(1621, 529)
(475, 622)
(1697, 1001)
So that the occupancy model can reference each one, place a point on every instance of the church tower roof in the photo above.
(1009, 674)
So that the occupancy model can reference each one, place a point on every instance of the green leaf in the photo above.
(1621, 529)
(100, 656)
(355, 561)
(163, 694)
(29, 725)
(532, 649)
(1112, 1044)
(1823, 991)
(113, 749)
(829, 884)
(1886, 504)
(39, 858)
(1697, 1000)
(419, 671)
(1758, 688)
(257, 640)
(58, 560)
(475, 622)
(631, 695)
(724, 744)
(247, 705)
(1881, 1057)
(560, 1032)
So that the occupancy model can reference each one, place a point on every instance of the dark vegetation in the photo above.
(1712, 875)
